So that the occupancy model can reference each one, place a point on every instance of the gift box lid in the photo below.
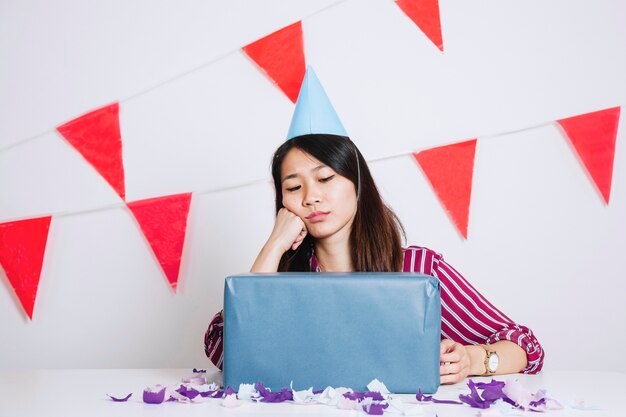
(337, 329)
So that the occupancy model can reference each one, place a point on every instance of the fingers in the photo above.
(452, 373)
(446, 345)
(299, 238)
(450, 379)
(296, 243)
(450, 357)
(289, 231)
(452, 353)
(454, 362)
(450, 368)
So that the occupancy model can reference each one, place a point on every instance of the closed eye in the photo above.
(327, 178)
(292, 189)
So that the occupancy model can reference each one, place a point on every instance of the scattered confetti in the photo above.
(492, 399)
(154, 395)
(520, 397)
(120, 400)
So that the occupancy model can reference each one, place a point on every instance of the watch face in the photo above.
(493, 362)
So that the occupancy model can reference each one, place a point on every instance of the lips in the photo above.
(317, 216)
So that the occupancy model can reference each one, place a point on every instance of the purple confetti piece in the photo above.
(491, 384)
(190, 393)
(474, 399)
(492, 391)
(212, 394)
(260, 387)
(429, 398)
(199, 371)
(151, 396)
(421, 397)
(229, 391)
(355, 396)
(263, 392)
(374, 395)
(524, 399)
(375, 409)
(317, 391)
(120, 400)
(285, 394)
(539, 403)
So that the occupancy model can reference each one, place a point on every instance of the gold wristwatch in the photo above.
(492, 360)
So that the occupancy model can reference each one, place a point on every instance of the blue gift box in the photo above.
(342, 330)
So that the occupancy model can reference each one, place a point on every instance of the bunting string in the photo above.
(267, 180)
(172, 79)
(121, 204)
(481, 137)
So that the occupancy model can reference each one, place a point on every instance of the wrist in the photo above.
(273, 250)
(268, 259)
(477, 357)
(274, 247)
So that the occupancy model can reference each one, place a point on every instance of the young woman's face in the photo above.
(323, 199)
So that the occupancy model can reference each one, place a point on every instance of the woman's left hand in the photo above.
(454, 362)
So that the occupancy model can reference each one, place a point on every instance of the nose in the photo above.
(311, 196)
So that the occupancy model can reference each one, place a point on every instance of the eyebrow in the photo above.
(290, 176)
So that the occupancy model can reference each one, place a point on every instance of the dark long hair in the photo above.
(376, 235)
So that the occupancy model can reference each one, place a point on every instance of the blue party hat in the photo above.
(314, 113)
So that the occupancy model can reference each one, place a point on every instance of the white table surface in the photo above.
(83, 392)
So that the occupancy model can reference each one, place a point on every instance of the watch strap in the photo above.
(488, 354)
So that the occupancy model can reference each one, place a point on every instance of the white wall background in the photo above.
(542, 245)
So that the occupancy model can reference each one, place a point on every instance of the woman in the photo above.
(331, 218)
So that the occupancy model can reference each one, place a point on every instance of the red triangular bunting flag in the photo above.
(593, 135)
(425, 14)
(96, 135)
(449, 170)
(163, 221)
(281, 56)
(22, 247)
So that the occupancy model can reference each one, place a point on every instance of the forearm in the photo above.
(267, 260)
(512, 358)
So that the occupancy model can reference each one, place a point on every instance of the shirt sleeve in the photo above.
(466, 316)
(214, 342)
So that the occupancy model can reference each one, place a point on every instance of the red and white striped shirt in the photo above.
(466, 316)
